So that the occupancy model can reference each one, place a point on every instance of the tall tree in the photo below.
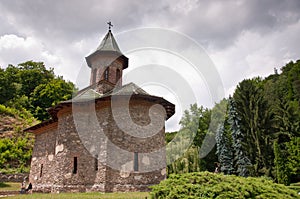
(241, 161)
(224, 149)
(254, 116)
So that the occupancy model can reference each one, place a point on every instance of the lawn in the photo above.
(11, 186)
(97, 195)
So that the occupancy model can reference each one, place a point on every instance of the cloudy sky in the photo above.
(243, 38)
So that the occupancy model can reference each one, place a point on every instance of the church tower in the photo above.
(107, 64)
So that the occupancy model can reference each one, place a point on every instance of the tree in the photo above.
(31, 74)
(8, 84)
(282, 96)
(30, 86)
(50, 94)
(224, 150)
(252, 109)
(187, 142)
(241, 161)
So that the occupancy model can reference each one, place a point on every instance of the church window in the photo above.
(75, 165)
(106, 74)
(136, 161)
(118, 75)
(96, 163)
(41, 170)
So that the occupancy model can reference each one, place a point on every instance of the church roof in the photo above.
(91, 94)
(108, 46)
(109, 43)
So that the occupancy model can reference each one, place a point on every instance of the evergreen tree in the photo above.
(242, 162)
(224, 150)
(282, 170)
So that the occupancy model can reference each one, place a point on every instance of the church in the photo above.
(109, 137)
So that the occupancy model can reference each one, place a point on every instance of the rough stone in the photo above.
(108, 144)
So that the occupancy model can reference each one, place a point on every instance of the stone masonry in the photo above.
(109, 137)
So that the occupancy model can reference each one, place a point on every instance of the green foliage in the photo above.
(170, 136)
(26, 91)
(287, 160)
(224, 150)
(242, 163)
(282, 170)
(22, 113)
(210, 185)
(184, 147)
(188, 162)
(30, 86)
(262, 129)
(50, 94)
(15, 153)
(252, 110)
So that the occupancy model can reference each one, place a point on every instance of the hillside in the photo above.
(15, 145)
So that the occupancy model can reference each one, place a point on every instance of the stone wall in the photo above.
(13, 177)
(42, 173)
(103, 142)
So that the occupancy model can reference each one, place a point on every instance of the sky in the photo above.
(242, 38)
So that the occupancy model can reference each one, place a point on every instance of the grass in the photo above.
(10, 186)
(129, 195)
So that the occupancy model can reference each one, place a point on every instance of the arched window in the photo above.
(118, 75)
(106, 74)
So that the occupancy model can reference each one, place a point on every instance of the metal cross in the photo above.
(109, 25)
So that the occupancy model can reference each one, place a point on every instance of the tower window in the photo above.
(136, 161)
(106, 74)
(118, 75)
(75, 165)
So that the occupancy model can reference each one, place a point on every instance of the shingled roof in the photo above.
(109, 43)
(108, 46)
(89, 94)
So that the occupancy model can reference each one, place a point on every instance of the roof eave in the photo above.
(98, 52)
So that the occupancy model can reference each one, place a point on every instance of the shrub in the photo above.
(211, 185)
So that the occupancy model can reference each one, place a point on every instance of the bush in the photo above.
(210, 185)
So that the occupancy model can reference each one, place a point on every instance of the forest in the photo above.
(254, 132)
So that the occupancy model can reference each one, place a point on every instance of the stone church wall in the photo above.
(87, 132)
(42, 172)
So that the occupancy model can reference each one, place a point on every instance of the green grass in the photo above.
(129, 195)
(10, 186)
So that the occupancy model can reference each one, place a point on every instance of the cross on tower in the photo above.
(109, 25)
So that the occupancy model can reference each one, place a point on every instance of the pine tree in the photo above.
(224, 150)
(242, 162)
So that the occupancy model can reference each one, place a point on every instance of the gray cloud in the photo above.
(215, 23)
